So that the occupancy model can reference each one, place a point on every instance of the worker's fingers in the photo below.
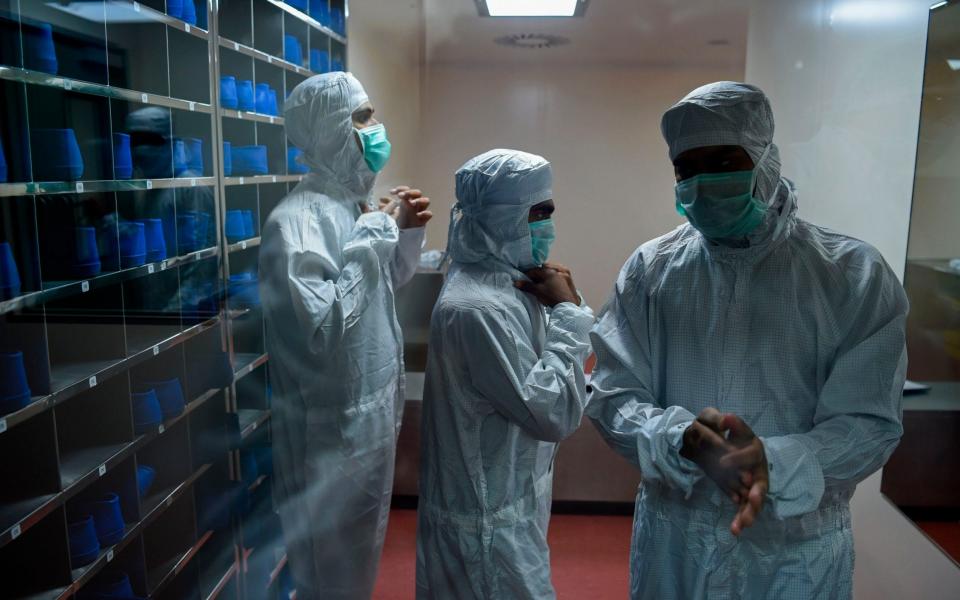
(557, 267)
(527, 286)
(712, 418)
(410, 195)
(744, 458)
(390, 206)
(424, 216)
(399, 188)
(738, 428)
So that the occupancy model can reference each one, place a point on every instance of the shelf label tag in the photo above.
(149, 184)
(274, 178)
(156, 350)
(197, 256)
(243, 245)
(270, 59)
(84, 287)
(271, 120)
(241, 181)
(236, 46)
(110, 555)
(239, 114)
(193, 182)
(150, 269)
(144, 98)
(193, 106)
(67, 85)
(186, 27)
(15, 531)
(92, 381)
(3, 425)
(163, 265)
(79, 187)
(102, 470)
(161, 429)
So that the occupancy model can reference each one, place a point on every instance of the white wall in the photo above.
(385, 53)
(599, 126)
(845, 79)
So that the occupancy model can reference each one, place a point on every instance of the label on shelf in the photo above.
(144, 98)
(197, 256)
(271, 120)
(163, 265)
(270, 59)
(239, 114)
(102, 470)
(92, 381)
(243, 245)
(186, 27)
(156, 350)
(241, 181)
(110, 555)
(169, 502)
(79, 187)
(67, 85)
(274, 178)
(193, 106)
(236, 46)
(161, 429)
(150, 269)
(3, 425)
(84, 287)
(149, 184)
(193, 183)
(15, 531)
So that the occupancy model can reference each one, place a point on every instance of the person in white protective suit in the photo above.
(329, 265)
(504, 384)
(751, 365)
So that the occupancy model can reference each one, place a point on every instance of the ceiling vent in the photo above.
(532, 40)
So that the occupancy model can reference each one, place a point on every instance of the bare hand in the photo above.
(551, 284)
(750, 456)
(413, 207)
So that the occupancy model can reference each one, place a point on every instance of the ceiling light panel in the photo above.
(530, 8)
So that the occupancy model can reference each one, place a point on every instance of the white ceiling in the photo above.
(613, 32)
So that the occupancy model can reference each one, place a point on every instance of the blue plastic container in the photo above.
(84, 546)
(189, 12)
(170, 395)
(145, 477)
(227, 160)
(243, 290)
(59, 155)
(14, 388)
(248, 229)
(133, 245)
(9, 274)
(194, 155)
(175, 8)
(292, 51)
(181, 158)
(187, 241)
(263, 99)
(86, 261)
(338, 21)
(3, 166)
(146, 411)
(245, 98)
(250, 160)
(110, 585)
(234, 226)
(320, 11)
(122, 158)
(108, 519)
(155, 244)
(40, 54)
(319, 61)
(294, 165)
(228, 92)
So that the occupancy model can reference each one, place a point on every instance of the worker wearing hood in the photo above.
(329, 265)
(751, 365)
(504, 384)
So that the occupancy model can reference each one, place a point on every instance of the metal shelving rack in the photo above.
(207, 527)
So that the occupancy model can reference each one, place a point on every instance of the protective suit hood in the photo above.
(727, 113)
(318, 116)
(495, 192)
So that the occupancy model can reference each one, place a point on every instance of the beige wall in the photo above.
(599, 126)
(385, 49)
(845, 80)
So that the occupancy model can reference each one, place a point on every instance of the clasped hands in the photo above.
(733, 457)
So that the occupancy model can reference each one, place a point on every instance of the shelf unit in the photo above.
(93, 338)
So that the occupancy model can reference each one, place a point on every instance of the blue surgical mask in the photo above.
(542, 235)
(721, 205)
(376, 146)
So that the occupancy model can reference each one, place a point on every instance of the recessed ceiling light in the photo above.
(954, 63)
(531, 8)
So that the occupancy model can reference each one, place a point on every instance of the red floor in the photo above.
(589, 557)
(945, 534)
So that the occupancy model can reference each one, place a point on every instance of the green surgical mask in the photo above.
(721, 205)
(542, 235)
(376, 146)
